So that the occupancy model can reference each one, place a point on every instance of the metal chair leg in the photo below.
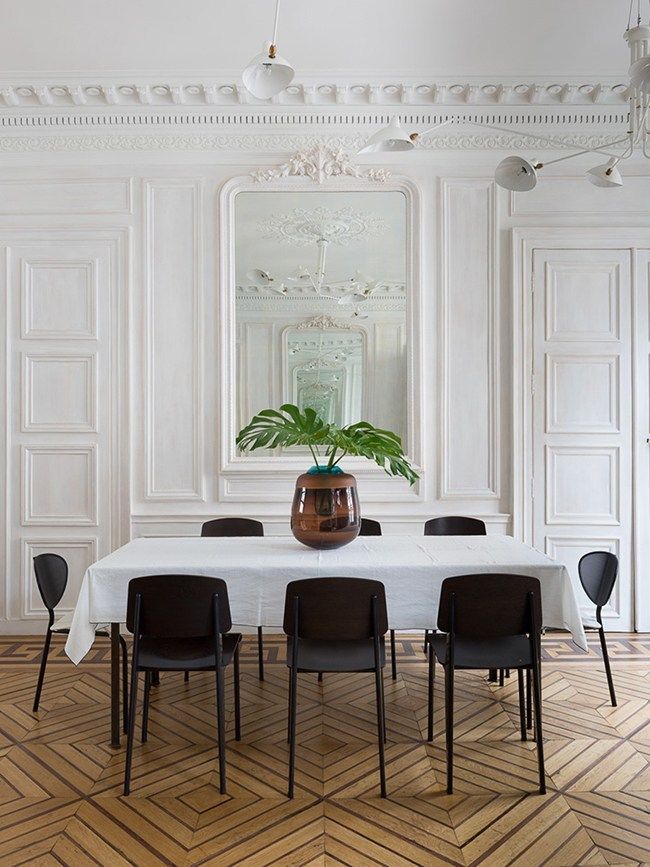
(529, 701)
(145, 707)
(237, 695)
(381, 736)
(502, 675)
(221, 728)
(289, 708)
(129, 740)
(537, 701)
(260, 652)
(393, 655)
(186, 677)
(125, 685)
(41, 671)
(155, 678)
(293, 694)
(608, 670)
(449, 726)
(522, 704)
(432, 680)
(320, 676)
(426, 641)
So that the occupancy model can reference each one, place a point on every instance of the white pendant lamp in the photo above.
(391, 138)
(605, 175)
(640, 74)
(516, 174)
(268, 73)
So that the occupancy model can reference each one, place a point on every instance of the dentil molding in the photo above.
(82, 91)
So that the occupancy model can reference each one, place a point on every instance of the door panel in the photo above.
(582, 416)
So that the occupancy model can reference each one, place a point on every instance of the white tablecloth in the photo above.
(257, 571)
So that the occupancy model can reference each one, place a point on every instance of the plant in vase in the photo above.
(325, 511)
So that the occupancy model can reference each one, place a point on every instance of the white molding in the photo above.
(320, 163)
(90, 519)
(28, 266)
(245, 478)
(197, 489)
(150, 91)
(89, 360)
(492, 490)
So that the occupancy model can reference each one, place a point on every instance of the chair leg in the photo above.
(449, 726)
(293, 696)
(186, 677)
(145, 707)
(537, 701)
(608, 670)
(492, 675)
(529, 701)
(426, 641)
(221, 728)
(155, 678)
(260, 652)
(502, 674)
(393, 657)
(432, 680)
(383, 710)
(41, 671)
(129, 740)
(125, 684)
(381, 736)
(237, 695)
(522, 704)
(289, 706)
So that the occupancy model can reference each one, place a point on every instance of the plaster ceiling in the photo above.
(435, 38)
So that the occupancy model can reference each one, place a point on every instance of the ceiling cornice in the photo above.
(89, 91)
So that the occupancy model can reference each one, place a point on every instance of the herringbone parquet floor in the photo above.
(60, 782)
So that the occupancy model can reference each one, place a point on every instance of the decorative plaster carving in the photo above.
(45, 142)
(323, 322)
(319, 164)
(185, 90)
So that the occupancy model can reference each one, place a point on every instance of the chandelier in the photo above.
(518, 174)
(321, 228)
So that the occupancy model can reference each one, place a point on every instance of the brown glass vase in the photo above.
(325, 511)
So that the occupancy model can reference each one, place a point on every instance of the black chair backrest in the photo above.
(335, 609)
(369, 527)
(454, 525)
(51, 572)
(598, 571)
(233, 527)
(178, 606)
(490, 605)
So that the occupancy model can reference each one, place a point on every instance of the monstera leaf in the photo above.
(289, 426)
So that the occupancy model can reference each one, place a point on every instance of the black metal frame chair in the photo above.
(452, 525)
(598, 571)
(335, 625)
(181, 623)
(489, 621)
(220, 527)
(51, 571)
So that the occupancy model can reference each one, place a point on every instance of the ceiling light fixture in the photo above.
(268, 73)
(520, 175)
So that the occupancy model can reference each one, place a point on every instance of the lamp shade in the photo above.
(605, 175)
(390, 138)
(259, 277)
(640, 74)
(266, 76)
(517, 174)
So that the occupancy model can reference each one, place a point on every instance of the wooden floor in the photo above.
(60, 782)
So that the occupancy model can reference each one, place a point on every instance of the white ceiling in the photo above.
(435, 38)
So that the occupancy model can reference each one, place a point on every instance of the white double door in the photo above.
(590, 482)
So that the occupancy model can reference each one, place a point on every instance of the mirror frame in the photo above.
(246, 477)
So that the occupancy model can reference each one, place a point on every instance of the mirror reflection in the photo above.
(321, 304)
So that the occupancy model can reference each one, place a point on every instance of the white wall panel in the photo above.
(66, 196)
(59, 299)
(582, 393)
(79, 553)
(59, 485)
(469, 452)
(174, 411)
(60, 392)
(575, 196)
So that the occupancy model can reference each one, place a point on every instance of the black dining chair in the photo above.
(335, 625)
(488, 621)
(239, 527)
(51, 571)
(370, 527)
(181, 623)
(598, 571)
(452, 525)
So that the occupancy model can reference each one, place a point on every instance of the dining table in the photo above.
(258, 569)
